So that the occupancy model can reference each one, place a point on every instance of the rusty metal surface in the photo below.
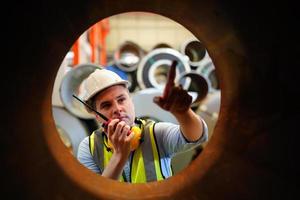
(251, 153)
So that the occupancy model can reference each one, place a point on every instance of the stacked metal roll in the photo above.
(72, 119)
(72, 130)
(128, 56)
(161, 45)
(149, 70)
(197, 83)
(201, 62)
(153, 68)
(195, 51)
(126, 60)
(202, 65)
(209, 72)
(147, 109)
(72, 83)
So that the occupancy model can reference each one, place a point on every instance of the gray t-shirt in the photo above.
(170, 141)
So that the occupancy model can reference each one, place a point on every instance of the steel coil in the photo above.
(72, 130)
(161, 45)
(153, 68)
(146, 108)
(208, 71)
(195, 51)
(198, 84)
(128, 56)
(71, 84)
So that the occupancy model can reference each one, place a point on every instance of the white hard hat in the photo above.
(99, 80)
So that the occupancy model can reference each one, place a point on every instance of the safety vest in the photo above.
(145, 164)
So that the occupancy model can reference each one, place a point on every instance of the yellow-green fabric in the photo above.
(145, 164)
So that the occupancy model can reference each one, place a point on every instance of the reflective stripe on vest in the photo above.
(101, 155)
(145, 164)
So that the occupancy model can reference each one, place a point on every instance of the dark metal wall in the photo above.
(252, 152)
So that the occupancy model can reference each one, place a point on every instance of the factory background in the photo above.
(140, 47)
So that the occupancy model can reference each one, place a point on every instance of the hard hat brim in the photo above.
(100, 89)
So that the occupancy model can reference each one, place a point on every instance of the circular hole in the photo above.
(231, 156)
(160, 73)
(195, 51)
(128, 54)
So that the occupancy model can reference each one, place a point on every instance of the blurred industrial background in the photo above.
(140, 47)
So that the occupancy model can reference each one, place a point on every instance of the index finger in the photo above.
(170, 80)
(112, 125)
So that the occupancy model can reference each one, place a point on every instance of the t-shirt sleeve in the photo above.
(170, 138)
(84, 156)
